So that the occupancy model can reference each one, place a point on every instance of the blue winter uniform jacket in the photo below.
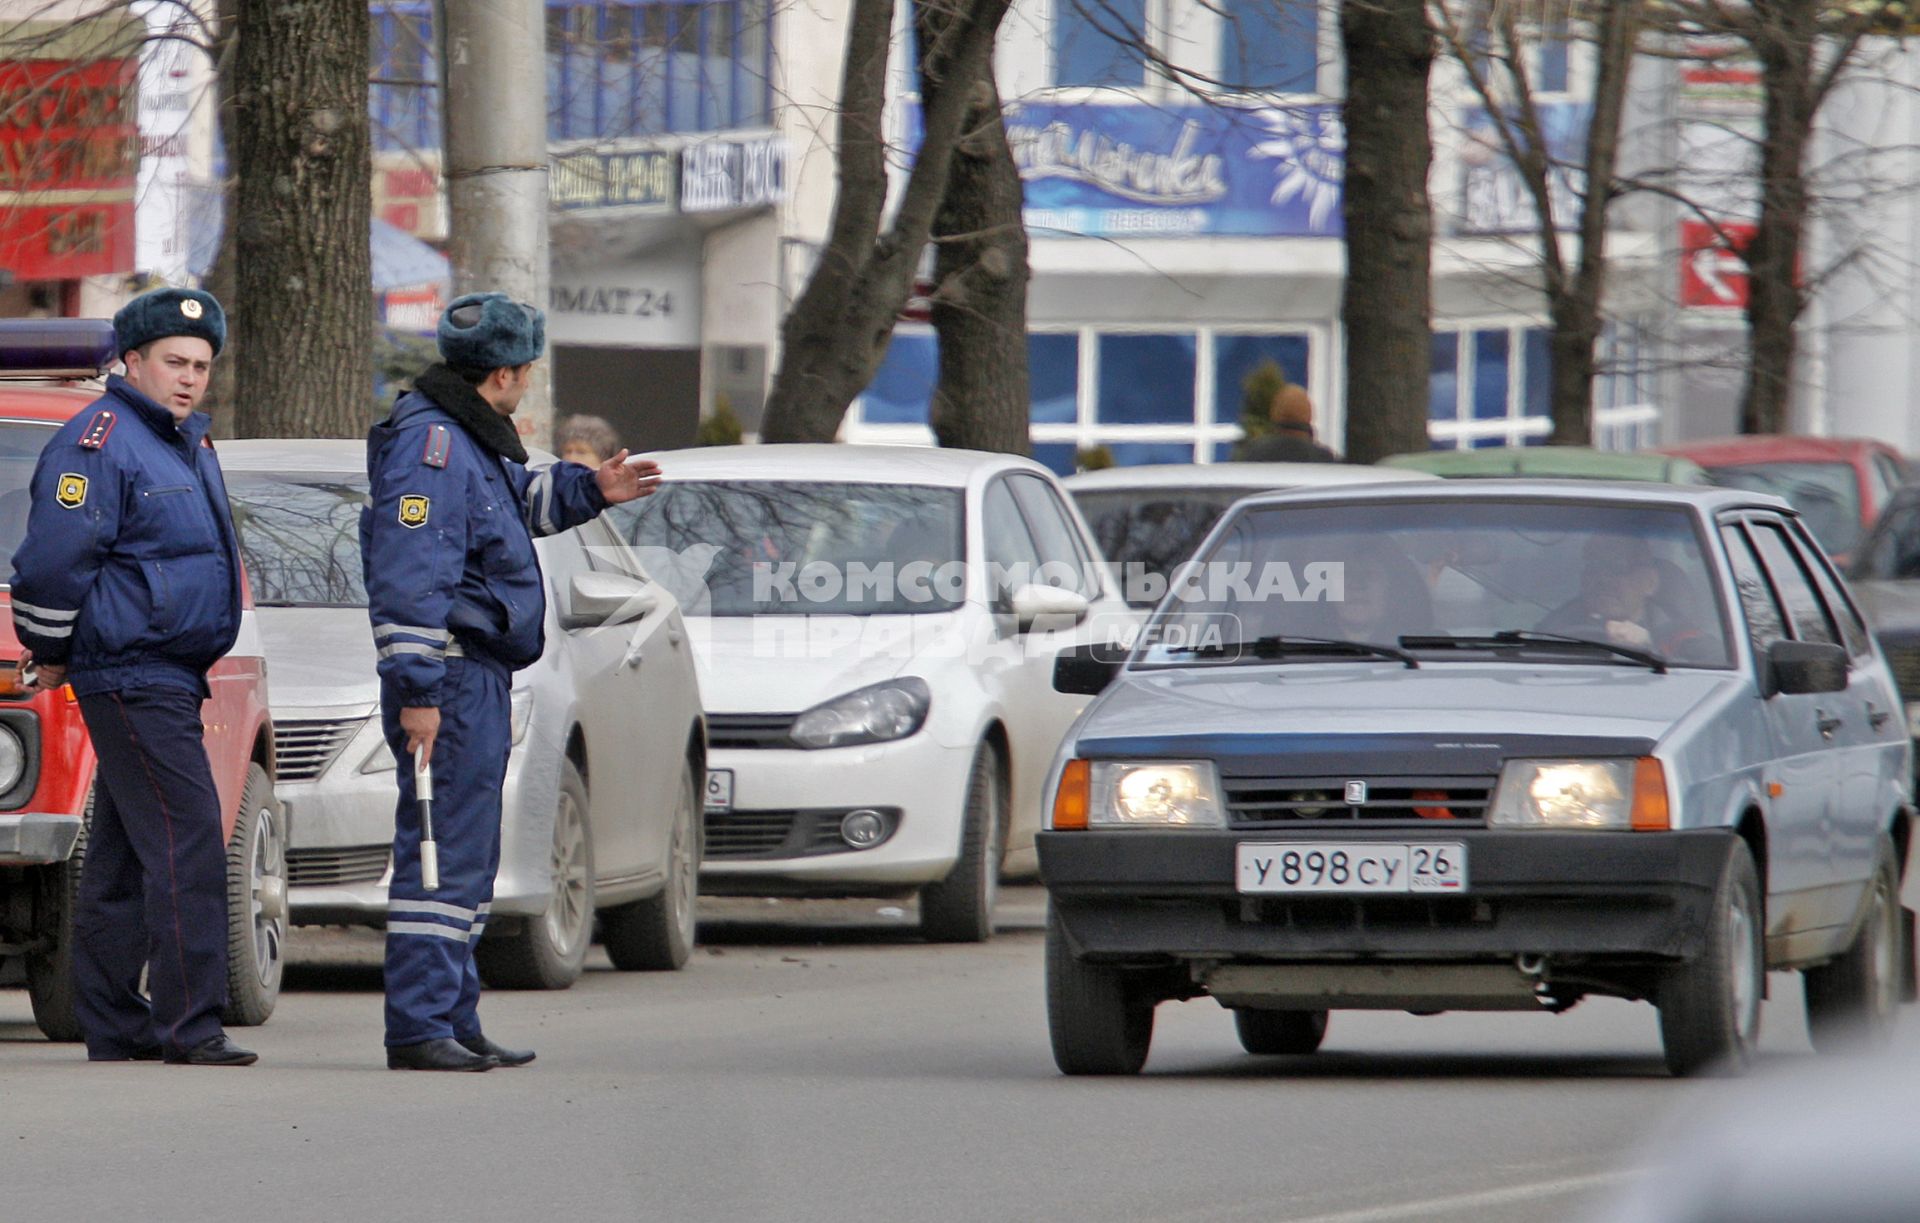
(129, 574)
(447, 542)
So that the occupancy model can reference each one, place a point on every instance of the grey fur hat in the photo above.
(169, 312)
(488, 331)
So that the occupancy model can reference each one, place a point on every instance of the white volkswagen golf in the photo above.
(875, 629)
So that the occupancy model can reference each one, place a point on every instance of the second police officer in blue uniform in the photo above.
(457, 604)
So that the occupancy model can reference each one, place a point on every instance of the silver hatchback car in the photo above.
(1496, 746)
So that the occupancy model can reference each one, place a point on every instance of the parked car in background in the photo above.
(1148, 519)
(1555, 462)
(1839, 484)
(1885, 577)
(47, 762)
(601, 803)
(1545, 741)
(876, 629)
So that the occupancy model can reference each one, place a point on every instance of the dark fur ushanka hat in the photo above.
(169, 312)
(489, 331)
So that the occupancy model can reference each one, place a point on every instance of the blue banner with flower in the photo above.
(1133, 170)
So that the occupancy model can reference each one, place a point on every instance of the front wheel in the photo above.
(959, 908)
(548, 952)
(50, 972)
(1710, 1005)
(1099, 1021)
(256, 904)
(656, 934)
(1852, 1002)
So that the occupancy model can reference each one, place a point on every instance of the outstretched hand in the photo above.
(620, 481)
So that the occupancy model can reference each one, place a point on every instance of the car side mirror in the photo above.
(1799, 667)
(1063, 608)
(1086, 670)
(596, 599)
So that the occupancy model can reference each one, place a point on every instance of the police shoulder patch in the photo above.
(439, 443)
(72, 490)
(95, 434)
(413, 511)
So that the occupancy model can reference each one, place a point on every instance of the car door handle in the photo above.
(1876, 716)
(1827, 725)
(635, 655)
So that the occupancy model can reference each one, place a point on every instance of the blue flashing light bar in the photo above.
(55, 347)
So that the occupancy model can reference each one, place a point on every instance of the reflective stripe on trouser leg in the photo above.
(433, 988)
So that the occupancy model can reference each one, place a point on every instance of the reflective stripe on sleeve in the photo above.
(540, 503)
(46, 614)
(383, 631)
(25, 626)
(411, 647)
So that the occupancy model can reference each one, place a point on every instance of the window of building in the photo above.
(643, 67)
(901, 392)
(1053, 376)
(1268, 46)
(404, 99)
(1094, 42)
(1236, 358)
(1477, 398)
(1145, 379)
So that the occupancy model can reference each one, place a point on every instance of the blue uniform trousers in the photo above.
(153, 885)
(433, 988)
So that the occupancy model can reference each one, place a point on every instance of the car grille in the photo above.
(1905, 663)
(750, 729)
(304, 747)
(737, 835)
(1284, 801)
(329, 867)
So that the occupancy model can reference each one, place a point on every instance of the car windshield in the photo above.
(20, 447)
(1145, 532)
(1449, 579)
(766, 547)
(1892, 552)
(1826, 494)
(300, 536)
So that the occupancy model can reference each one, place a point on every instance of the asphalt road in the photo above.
(817, 1062)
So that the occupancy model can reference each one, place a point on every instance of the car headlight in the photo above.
(13, 759)
(876, 714)
(1616, 794)
(1180, 793)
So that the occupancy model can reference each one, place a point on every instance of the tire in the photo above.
(548, 951)
(1852, 1002)
(959, 908)
(1710, 1006)
(50, 973)
(1097, 1022)
(657, 934)
(1283, 1033)
(256, 904)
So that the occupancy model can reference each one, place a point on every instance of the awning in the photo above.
(400, 260)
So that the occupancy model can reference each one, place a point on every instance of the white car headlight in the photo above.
(1180, 793)
(876, 714)
(1564, 794)
(13, 758)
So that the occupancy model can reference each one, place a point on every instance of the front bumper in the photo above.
(1144, 897)
(32, 839)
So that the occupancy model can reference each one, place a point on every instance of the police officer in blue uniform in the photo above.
(457, 604)
(127, 587)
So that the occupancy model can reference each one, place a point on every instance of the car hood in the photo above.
(1890, 606)
(1499, 703)
(780, 664)
(319, 657)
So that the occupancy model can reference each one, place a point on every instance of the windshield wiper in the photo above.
(1279, 647)
(1512, 638)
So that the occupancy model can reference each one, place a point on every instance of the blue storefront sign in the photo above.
(1132, 170)
(1495, 199)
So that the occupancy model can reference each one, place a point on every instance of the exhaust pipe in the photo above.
(1531, 964)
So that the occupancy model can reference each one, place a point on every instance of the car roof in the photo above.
(55, 404)
(1774, 448)
(1706, 499)
(1234, 475)
(859, 464)
(309, 454)
(1565, 462)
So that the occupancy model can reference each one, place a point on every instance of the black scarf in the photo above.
(461, 401)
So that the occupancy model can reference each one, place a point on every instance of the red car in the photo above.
(47, 761)
(1839, 484)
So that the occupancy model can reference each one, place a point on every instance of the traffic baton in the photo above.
(423, 795)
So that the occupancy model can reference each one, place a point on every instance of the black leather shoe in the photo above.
(214, 1051)
(440, 1054)
(500, 1053)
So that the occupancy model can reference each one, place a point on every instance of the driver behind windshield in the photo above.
(1619, 578)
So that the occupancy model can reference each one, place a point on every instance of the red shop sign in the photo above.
(69, 156)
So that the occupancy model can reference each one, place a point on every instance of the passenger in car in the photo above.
(1619, 577)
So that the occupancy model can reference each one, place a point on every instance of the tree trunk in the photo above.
(837, 332)
(980, 273)
(219, 280)
(301, 206)
(1784, 36)
(1386, 306)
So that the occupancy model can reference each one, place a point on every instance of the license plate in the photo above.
(719, 789)
(1352, 866)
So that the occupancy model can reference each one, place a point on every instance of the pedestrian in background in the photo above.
(458, 605)
(127, 587)
(1291, 439)
(587, 440)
